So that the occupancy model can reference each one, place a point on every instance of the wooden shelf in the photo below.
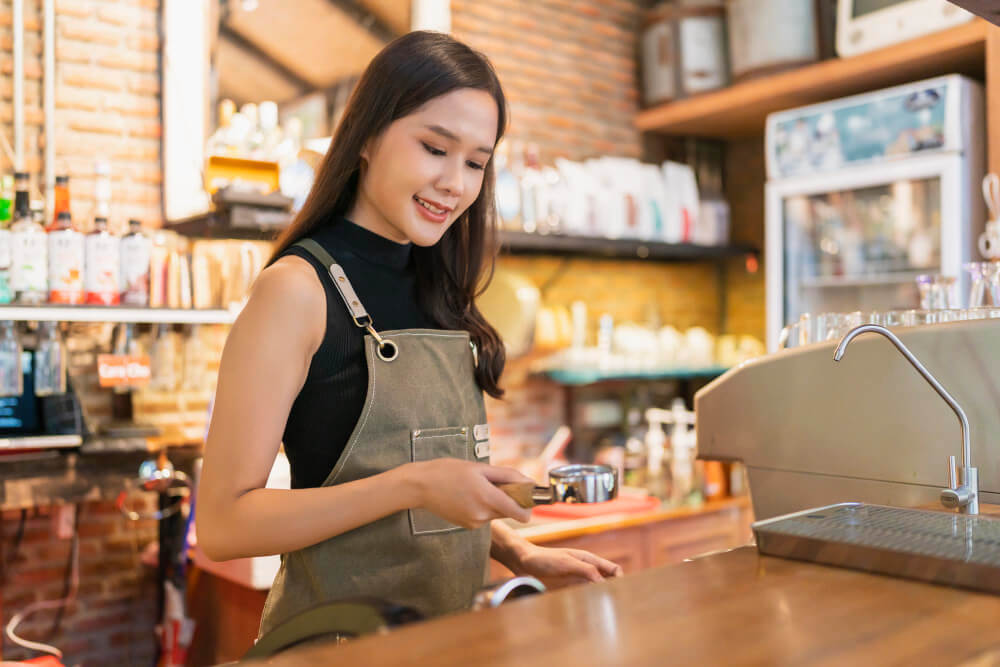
(115, 314)
(521, 243)
(740, 110)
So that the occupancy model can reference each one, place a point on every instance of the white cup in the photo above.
(989, 241)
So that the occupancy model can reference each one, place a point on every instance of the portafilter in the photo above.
(567, 484)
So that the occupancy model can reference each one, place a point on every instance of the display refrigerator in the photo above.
(868, 192)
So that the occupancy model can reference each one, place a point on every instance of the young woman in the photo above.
(361, 348)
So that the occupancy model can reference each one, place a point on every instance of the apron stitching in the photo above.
(395, 335)
(368, 410)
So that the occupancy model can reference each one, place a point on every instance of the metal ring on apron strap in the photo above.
(387, 350)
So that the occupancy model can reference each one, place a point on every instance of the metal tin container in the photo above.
(683, 50)
(771, 35)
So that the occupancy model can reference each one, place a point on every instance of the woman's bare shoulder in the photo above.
(288, 297)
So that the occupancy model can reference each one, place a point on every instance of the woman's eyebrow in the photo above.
(448, 134)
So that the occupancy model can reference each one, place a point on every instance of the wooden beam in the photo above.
(378, 28)
(228, 33)
(993, 99)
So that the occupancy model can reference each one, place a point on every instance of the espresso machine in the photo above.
(813, 431)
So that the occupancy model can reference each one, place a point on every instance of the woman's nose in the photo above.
(451, 181)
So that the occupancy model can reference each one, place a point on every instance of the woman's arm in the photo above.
(264, 365)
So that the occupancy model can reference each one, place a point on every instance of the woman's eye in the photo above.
(475, 165)
(433, 151)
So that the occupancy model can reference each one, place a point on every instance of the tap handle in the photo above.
(952, 473)
(955, 498)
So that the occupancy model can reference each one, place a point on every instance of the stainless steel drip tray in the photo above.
(938, 547)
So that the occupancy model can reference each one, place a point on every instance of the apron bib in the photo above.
(423, 403)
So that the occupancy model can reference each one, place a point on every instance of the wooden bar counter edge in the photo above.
(731, 608)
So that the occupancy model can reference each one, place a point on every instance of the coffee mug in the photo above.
(989, 241)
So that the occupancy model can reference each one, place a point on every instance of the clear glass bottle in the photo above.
(66, 262)
(11, 375)
(29, 274)
(50, 361)
(6, 204)
(136, 252)
(103, 265)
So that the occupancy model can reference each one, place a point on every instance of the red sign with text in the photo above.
(117, 370)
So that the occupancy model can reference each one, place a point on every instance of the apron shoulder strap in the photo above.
(340, 281)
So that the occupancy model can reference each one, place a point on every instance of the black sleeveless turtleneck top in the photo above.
(325, 411)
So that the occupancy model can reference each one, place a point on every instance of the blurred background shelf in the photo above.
(115, 314)
(573, 377)
(959, 50)
(899, 278)
(521, 243)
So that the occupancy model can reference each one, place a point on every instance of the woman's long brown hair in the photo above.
(405, 75)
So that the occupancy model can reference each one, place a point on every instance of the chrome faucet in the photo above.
(965, 496)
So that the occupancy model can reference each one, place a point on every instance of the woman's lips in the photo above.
(429, 214)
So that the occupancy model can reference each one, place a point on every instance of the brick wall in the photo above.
(112, 619)
(107, 101)
(107, 106)
(567, 66)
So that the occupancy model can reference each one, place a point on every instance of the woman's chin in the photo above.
(426, 234)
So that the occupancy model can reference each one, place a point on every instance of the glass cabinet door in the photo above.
(861, 248)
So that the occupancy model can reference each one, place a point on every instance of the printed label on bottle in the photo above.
(30, 267)
(66, 254)
(136, 252)
(102, 270)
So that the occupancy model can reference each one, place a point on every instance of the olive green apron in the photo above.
(423, 403)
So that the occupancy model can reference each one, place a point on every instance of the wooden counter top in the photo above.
(730, 608)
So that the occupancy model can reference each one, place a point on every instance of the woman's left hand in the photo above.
(565, 567)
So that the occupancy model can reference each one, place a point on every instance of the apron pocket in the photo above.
(437, 443)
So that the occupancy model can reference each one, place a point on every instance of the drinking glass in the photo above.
(936, 291)
(980, 287)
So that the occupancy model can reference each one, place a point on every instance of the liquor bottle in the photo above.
(6, 204)
(136, 251)
(103, 265)
(61, 204)
(29, 272)
(66, 262)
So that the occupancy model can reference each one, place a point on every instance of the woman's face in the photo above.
(426, 169)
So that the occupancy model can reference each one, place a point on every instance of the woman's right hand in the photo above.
(464, 492)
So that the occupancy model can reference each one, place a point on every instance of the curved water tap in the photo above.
(965, 497)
